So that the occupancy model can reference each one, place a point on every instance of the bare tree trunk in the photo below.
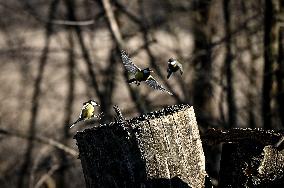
(270, 59)
(232, 120)
(202, 86)
(280, 78)
(280, 74)
(251, 73)
(24, 172)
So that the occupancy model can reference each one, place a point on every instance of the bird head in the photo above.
(148, 70)
(172, 61)
(93, 102)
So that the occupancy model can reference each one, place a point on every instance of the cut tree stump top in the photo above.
(158, 149)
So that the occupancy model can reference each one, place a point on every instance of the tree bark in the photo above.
(250, 157)
(280, 77)
(251, 164)
(270, 59)
(162, 149)
(202, 85)
(232, 114)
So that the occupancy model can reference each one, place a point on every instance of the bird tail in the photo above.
(181, 72)
(73, 124)
(169, 74)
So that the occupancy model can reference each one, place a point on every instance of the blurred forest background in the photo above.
(57, 54)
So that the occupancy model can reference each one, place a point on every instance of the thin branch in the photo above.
(73, 23)
(41, 139)
(239, 29)
(143, 46)
(30, 10)
(123, 9)
(39, 156)
(280, 142)
(112, 23)
(116, 34)
(46, 176)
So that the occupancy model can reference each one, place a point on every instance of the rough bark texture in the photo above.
(270, 61)
(250, 162)
(272, 164)
(217, 136)
(159, 149)
(280, 75)
(228, 64)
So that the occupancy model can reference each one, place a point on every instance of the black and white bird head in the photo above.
(92, 102)
(147, 71)
(172, 61)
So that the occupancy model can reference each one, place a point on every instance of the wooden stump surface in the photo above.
(159, 149)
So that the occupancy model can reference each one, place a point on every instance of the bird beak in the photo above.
(151, 71)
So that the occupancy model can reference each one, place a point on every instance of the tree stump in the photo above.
(250, 158)
(158, 149)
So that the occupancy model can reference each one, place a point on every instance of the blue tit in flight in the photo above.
(173, 66)
(87, 112)
(140, 75)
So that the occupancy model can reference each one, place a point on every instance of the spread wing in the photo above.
(128, 64)
(154, 84)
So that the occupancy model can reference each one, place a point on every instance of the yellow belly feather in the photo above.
(88, 112)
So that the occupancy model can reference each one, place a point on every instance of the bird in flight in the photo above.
(141, 75)
(173, 66)
(87, 112)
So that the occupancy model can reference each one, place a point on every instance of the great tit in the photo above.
(173, 66)
(140, 75)
(87, 112)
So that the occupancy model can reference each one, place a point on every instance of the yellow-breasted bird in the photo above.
(140, 75)
(173, 66)
(87, 112)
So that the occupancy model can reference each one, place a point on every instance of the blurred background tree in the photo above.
(57, 54)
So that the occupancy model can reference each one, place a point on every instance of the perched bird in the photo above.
(87, 112)
(140, 75)
(173, 66)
